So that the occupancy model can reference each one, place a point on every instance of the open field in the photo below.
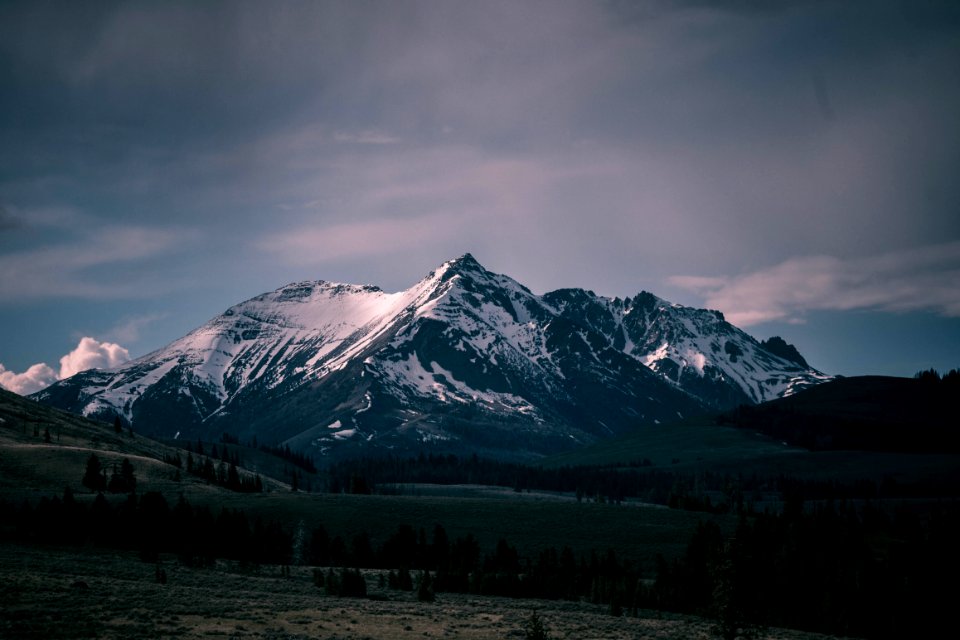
(123, 600)
(637, 533)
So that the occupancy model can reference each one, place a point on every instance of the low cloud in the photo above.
(92, 354)
(32, 380)
(89, 354)
(922, 279)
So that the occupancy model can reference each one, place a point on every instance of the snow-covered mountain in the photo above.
(465, 360)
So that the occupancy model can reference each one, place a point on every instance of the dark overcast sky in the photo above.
(794, 164)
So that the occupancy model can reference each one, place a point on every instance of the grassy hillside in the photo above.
(44, 450)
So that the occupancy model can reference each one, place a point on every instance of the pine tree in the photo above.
(92, 477)
(233, 478)
(126, 472)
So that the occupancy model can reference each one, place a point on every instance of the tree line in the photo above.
(705, 491)
(148, 524)
(838, 568)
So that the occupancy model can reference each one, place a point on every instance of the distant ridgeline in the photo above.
(868, 413)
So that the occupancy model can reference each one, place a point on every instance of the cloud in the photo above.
(30, 381)
(92, 354)
(365, 137)
(89, 354)
(128, 329)
(66, 269)
(920, 279)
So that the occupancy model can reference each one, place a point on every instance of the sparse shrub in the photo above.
(425, 588)
(331, 583)
(616, 609)
(400, 580)
(348, 584)
(535, 629)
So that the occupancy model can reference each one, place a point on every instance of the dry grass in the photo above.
(123, 600)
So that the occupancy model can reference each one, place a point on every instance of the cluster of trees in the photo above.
(460, 566)
(284, 452)
(223, 454)
(122, 478)
(346, 583)
(296, 458)
(223, 473)
(150, 525)
(949, 379)
(841, 570)
(390, 474)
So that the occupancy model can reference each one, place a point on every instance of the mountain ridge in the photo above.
(464, 360)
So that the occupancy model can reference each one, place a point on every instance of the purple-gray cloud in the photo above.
(924, 278)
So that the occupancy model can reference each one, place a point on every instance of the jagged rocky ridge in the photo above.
(464, 361)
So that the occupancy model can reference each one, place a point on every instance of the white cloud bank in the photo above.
(33, 379)
(926, 278)
(89, 354)
(92, 354)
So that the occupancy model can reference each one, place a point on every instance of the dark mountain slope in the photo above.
(869, 412)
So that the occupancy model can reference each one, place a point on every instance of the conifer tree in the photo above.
(92, 477)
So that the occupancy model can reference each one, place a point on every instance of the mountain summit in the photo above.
(465, 360)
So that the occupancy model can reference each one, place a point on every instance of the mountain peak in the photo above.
(465, 360)
(466, 262)
(466, 266)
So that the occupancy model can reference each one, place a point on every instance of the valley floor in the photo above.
(120, 598)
